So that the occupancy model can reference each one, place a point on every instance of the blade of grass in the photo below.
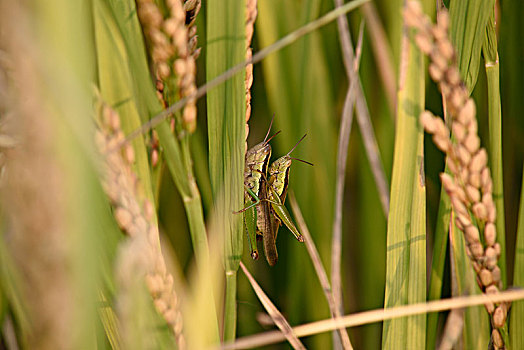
(342, 153)
(226, 112)
(366, 317)
(467, 32)
(109, 322)
(363, 118)
(491, 59)
(320, 271)
(276, 316)
(406, 237)
(382, 51)
(116, 85)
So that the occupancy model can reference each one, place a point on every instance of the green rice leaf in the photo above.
(226, 110)
(117, 86)
(406, 233)
(467, 30)
(491, 59)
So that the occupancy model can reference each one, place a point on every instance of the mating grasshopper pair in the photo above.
(264, 197)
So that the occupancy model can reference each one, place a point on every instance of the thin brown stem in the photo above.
(342, 152)
(276, 315)
(383, 55)
(334, 308)
(363, 117)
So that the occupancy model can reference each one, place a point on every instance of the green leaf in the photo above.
(491, 59)
(226, 111)
(467, 31)
(406, 232)
(117, 86)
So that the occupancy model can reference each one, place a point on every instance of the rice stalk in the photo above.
(491, 59)
(172, 42)
(135, 215)
(470, 185)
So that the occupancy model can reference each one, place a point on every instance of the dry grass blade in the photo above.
(367, 317)
(277, 317)
(334, 308)
(278, 45)
(342, 152)
(363, 118)
(382, 50)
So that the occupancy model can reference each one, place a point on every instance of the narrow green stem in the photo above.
(230, 310)
(495, 136)
(495, 156)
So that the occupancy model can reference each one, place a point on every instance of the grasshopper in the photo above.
(256, 212)
(277, 184)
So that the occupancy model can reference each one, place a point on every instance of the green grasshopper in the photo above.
(277, 184)
(256, 212)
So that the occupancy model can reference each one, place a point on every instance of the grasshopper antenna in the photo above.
(269, 130)
(296, 144)
(266, 142)
(302, 160)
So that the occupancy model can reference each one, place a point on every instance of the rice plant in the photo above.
(138, 213)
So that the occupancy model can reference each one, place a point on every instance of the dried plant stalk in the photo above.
(135, 216)
(172, 43)
(470, 185)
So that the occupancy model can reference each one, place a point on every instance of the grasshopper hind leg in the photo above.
(250, 220)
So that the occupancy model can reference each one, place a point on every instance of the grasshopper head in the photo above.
(280, 165)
